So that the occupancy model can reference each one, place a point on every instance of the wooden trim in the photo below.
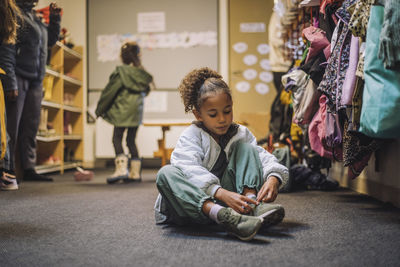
(366, 186)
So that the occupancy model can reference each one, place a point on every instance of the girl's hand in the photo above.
(234, 200)
(269, 191)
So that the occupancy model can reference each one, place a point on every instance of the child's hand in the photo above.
(269, 191)
(238, 202)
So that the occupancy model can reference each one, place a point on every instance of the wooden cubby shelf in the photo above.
(60, 137)
(49, 104)
(48, 138)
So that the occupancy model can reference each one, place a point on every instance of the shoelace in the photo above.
(229, 218)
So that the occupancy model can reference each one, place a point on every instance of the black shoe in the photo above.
(32, 175)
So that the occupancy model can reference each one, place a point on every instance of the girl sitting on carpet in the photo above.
(217, 171)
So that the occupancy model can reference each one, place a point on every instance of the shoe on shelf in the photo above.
(32, 175)
(8, 181)
(242, 226)
(121, 170)
(270, 213)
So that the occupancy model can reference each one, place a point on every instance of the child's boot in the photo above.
(135, 172)
(121, 169)
(242, 226)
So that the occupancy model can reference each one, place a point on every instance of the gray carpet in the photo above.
(68, 223)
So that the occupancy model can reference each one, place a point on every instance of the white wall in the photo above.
(223, 39)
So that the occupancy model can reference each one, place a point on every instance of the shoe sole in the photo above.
(9, 188)
(115, 179)
(250, 237)
(272, 217)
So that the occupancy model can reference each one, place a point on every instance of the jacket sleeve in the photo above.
(108, 94)
(188, 156)
(7, 63)
(53, 30)
(271, 166)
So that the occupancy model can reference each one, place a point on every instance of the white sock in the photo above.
(251, 196)
(214, 212)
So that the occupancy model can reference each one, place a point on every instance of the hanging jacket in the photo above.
(121, 102)
(27, 58)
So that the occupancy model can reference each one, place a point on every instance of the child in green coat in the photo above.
(121, 104)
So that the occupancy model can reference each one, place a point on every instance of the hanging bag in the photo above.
(381, 96)
(308, 105)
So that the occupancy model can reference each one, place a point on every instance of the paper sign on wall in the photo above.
(151, 22)
(252, 27)
(262, 88)
(109, 46)
(250, 74)
(266, 76)
(243, 87)
(263, 49)
(240, 47)
(250, 60)
(265, 64)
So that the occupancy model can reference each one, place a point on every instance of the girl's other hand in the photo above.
(238, 202)
(269, 191)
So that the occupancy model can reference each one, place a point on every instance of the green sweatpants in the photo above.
(184, 200)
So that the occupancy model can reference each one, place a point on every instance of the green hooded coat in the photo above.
(121, 102)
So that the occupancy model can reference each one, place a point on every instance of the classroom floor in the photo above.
(68, 223)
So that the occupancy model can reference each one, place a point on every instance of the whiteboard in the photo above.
(167, 65)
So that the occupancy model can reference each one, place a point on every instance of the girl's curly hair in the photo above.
(199, 84)
(130, 54)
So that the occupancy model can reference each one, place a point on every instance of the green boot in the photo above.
(242, 226)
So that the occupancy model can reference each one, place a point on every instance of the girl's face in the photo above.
(216, 114)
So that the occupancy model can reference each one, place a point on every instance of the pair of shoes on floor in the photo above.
(245, 227)
(8, 181)
(122, 174)
(32, 175)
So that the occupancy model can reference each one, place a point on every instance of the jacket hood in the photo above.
(134, 78)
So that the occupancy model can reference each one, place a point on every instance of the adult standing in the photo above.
(9, 14)
(24, 64)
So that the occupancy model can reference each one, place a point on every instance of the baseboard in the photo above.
(147, 163)
(366, 186)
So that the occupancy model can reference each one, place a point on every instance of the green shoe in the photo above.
(242, 226)
(270, 213)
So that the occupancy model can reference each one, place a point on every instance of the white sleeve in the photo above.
(188, 156)
(271, 166)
